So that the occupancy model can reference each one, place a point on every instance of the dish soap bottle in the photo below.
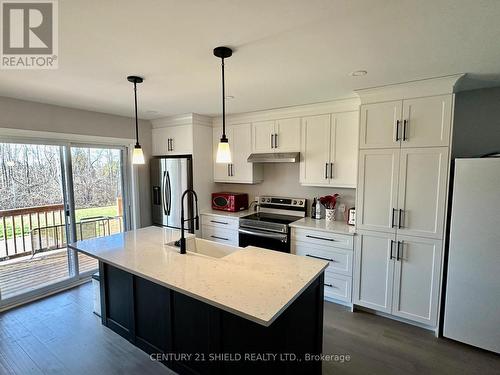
(318, 209)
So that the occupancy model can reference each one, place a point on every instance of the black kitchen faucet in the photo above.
(196, 218)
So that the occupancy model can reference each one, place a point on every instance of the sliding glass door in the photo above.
(98, 195)
(52, 194)
(33, 243)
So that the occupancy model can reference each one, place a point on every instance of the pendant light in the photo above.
(223, 151)
(137, 155)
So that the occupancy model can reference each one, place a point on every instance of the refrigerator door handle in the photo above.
(169, 194)
(163, 186)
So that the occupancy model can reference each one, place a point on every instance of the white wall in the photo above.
(25, 115)
(476, 126)
(282, 179)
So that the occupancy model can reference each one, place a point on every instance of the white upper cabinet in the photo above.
(239, 171)
(344, 149)
(329, 150)
(315, 150)
(426, 121)
(373, 270)
(173, 140)
(276, 136)
(422, 191)
(419, 122)
(380, 125)
(287, 137)
(263, 136)
(416, 279)
(378, 190)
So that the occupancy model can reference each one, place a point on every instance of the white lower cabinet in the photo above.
(398, 275)
(220, 229)
(416, 279)
(338, 287)
(335, 248)
(373, 270)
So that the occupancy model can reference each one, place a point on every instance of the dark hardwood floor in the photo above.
(35, 339)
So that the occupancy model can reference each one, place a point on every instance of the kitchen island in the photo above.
(217, 309)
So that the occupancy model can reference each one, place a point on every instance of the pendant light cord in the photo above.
(223, 104)
(136, 121)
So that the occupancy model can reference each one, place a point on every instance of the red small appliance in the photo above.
(232, 202)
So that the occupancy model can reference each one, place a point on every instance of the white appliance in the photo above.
(472, 306)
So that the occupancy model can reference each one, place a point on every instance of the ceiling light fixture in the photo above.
(223, 150)
(137, 155)
(359, 73)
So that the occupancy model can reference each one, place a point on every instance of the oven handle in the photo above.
(277, 236)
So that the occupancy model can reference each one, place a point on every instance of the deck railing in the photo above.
(27, 231)
(17, 225)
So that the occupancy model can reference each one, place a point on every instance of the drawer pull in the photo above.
(327, 259)
(321, 238)
(331, 286)
(220, 238)
(218, 222)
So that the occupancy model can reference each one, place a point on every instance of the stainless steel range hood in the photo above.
(272, 157)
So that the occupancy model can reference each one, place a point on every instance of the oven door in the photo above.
(265, 239)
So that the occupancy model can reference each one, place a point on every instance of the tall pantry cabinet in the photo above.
(401, 197)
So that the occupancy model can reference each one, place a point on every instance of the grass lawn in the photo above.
(80, 214)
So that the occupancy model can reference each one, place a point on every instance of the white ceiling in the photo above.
(287, 52)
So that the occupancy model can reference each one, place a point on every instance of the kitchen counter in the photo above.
(236, 215)
(338, 227)
(253, 283)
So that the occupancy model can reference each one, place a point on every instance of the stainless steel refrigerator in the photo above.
(472, 306)
(170, 177)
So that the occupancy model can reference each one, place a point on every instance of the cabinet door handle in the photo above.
(275, 140)
(314, 256)
(405, 125)
(330, 285)
(326, 171)
(320, 238)
(397, 130)
(400, 244)
(392, 219)
(272, 140)
(400, 218)
(220, 238)
(331, 170)
(392, 246)
(232, 170)
(218, 222)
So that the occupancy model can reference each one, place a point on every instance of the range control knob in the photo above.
(301, 203)
(263, 200)
(268, 200)
(294, 202)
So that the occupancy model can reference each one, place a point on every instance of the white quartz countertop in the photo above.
(253, 283)
(227, 213)
(339, 227)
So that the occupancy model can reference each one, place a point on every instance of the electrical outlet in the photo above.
(342, 208)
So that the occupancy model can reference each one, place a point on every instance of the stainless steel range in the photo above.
(268, 228)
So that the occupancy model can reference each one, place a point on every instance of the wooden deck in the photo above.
(24, 274)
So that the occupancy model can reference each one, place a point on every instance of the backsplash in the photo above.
(282, 179)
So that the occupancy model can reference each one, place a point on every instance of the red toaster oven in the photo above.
(232, 202)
